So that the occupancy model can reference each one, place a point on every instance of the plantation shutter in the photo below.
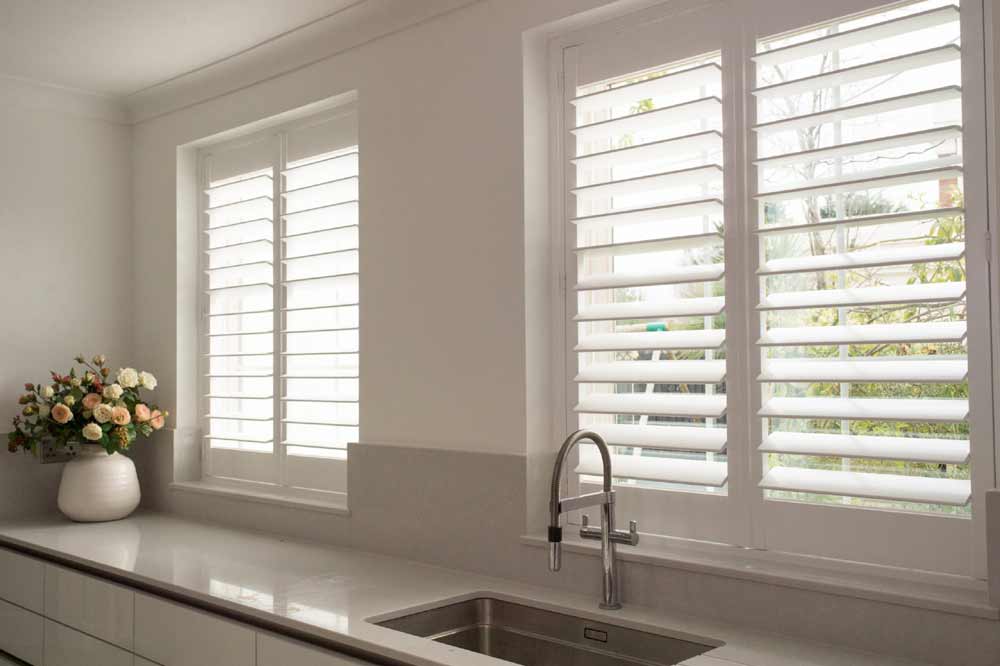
(320, 277)
(280, 317)
(239, 304)
(861, 233)
(646, 213)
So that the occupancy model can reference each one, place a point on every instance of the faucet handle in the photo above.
(584, 520)
(633, 533)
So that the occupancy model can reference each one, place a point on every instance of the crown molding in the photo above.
(37, 96)
(349, 28)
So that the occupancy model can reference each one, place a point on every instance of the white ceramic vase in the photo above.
(96, 487)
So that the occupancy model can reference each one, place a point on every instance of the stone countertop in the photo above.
(333, 594)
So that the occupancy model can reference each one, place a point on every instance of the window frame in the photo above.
(276, 462)
(750, 518)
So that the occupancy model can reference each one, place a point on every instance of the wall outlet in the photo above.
(48, 452)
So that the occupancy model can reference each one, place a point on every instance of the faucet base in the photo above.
(604, 606)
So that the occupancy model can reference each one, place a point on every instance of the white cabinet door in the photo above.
(275, 651)
(92, 605)
(175, 635)
(21, 580)
(21, 633)
(68, 647)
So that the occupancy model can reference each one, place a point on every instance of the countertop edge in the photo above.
(259, 619)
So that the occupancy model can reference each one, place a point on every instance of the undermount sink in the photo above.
(534, 637)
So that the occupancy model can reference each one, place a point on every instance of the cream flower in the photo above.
(128, 377)
(120, 416)
(113, 391)
(69, 400)
(147, 380)
(44, 410)
(61, 413)
(103, 413)
(75, 382)
(90, 401)
(93, 432)
(47, 392)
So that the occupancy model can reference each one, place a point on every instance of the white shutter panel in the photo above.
(239, 301)
(862, 245)
(647, 216)
(319, 280)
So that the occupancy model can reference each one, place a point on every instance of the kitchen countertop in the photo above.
(331, 594)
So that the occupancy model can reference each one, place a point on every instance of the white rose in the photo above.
(75, 382)
(43, 411)
(112, 391)
(69, 400)
(128, 377)
(147, 380)
(47, 392)
(102, 413)
(93, 432)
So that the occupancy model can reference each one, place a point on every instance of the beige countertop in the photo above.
(333, 594)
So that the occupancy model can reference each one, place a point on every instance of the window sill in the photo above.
(260, 497)
(938, 592)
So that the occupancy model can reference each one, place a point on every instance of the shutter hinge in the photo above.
(989, 246)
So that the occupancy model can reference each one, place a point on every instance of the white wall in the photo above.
(442, 233)
(65, 254)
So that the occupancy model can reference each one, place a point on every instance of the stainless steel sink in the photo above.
(535, 637)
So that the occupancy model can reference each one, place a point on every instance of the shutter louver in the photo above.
(861, 235)
(647, 213)
(239, 300)
(320, 282)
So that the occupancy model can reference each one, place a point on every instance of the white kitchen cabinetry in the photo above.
(276, 651)
(52, 615)
(21, 580)
(89, 604)
(21, 633)
(175, 635)
(68, 647)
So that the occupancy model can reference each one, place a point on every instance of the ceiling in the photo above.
(119, 47)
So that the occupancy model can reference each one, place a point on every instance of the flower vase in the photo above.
(97, 487)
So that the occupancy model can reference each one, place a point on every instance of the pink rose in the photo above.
(156, 419)
(91, 400)
(141, 412)
(61, 413)
(120, 416)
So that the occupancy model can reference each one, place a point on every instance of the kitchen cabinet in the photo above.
(21, 580)
(175, 635)
(21, 633)
(91, 605)
(69, 647)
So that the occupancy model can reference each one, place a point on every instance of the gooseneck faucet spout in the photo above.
(607, 534)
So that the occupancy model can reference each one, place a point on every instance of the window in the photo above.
(281, 309)
(819, 167)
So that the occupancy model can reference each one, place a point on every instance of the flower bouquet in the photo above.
(86, 407)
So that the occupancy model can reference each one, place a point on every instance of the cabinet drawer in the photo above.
(21, 633)
(21, 580)
(92, 605)
(274, 651)
(176, 635)
(68, 647)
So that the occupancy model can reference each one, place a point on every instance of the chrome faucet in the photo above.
(607, 533)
